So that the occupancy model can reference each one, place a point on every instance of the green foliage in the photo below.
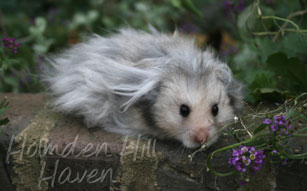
(42, 43)
(272, 58)
(3, 107)
(42, 27)
(270, 38)
(290, 73)
(187, 4)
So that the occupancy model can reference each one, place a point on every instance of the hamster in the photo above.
(149, 83)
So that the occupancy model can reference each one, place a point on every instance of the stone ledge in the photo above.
(105, 161)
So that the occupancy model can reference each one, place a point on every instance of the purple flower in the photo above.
(51, 14)
(252, 150)
(240, 7)
(284, 162)
(252, 156)
(246, 161)
(11, 44)
(259, 157)
(267, 121)
(244, 149)
(280, 120)
(228, 4)
(246, 157)
(275, 152)
(274, 127)
(230, 7)
(279, 124)
(242, 182)
(225, 50)
(240, 167)
(258, 161)
(232, 162)
(189, 28)
(260, 154)
(236, 153)
(257, 167)
(228, 49)
(234, 49)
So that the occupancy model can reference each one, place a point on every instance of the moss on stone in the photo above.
(27, 168)
(138, 172)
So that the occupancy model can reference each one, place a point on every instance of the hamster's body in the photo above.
(135, 82)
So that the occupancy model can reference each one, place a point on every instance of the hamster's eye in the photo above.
(184, 110)
(214, 110)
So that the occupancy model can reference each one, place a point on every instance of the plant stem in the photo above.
(286, 23)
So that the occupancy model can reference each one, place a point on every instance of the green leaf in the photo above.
(4, 102)
(11, 81)
(4, 121)
(294, 44)
(266, 48)
(290, 72)
(176, 3)
(270, 94)
(3, 107)
(244, 57)
(295, 156)
(2, 110)
(39, 28)
(189, 5)
(263, 80)
(266, 90)
(4, 63)
(259, 129)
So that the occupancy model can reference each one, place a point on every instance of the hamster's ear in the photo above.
(233, 87)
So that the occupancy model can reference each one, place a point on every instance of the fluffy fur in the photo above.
(135, 82)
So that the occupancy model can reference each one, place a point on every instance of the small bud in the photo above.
(259, 12)
(236, 119)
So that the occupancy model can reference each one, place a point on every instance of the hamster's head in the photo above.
(192, 106)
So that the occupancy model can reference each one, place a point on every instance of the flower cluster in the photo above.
(189, 28)
(279, 125)
(246, 157)
(11, 44)
(231, 7)
(228, 49)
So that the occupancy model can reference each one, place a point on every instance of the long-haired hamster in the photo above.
(150, 83)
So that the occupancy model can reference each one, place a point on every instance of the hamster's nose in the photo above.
(201, 135)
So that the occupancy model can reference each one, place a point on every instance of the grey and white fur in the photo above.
(135, 82)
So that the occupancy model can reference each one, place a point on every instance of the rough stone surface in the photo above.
(61, 154)
(22, 109)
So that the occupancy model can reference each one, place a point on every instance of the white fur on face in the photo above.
(200, 96)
